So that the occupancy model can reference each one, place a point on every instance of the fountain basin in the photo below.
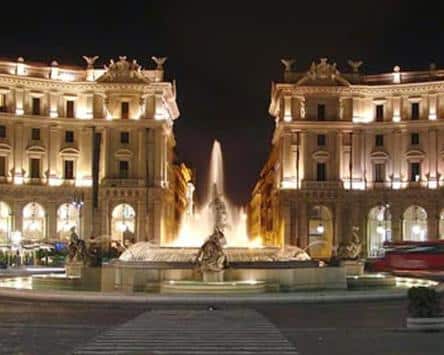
(224, 287)
(286, 276)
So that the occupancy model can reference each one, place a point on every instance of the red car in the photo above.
(409, 255)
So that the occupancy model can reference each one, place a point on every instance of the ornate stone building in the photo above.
(353, 150)
(86, 147)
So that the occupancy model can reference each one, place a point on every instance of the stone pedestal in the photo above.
(213, 276)
(353, 267)
(74, 269)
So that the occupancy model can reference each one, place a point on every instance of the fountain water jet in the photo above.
(217, 212)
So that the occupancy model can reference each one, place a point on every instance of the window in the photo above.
(124, 137)
(379, 140)
(321, 112)
(69, 136)
(321, 173)
(69, 169)
(379, 113)
(35, 134)
(415, 111)
(123, 169)
(321, 139)
(35, 168)
(414, 138)
(379, 172)
(36, 106)
(2, 131)
(70, 108)
(415, 172)
(3, 107)
(125, 110)
(2, 166)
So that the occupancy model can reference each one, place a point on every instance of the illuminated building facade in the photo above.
(86, 147)
(353, 151)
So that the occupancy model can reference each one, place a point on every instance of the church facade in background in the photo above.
(352, 154)
(88, 148)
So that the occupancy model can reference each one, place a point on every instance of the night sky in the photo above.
(224, 56)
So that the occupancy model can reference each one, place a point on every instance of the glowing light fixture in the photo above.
(320, 228)
(416, 229)
(380, 229)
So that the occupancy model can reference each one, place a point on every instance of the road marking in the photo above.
(233, 332)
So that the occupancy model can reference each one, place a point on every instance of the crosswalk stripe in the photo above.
(180, 332)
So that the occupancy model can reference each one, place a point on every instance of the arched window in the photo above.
(34, 222)
(414, 225)
(321, 232)
(5, 222)
(67, 217)
(379, 229)
(123, 223)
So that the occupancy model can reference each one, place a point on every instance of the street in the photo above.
(334, 328)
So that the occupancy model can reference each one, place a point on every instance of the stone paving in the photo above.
(341, 328)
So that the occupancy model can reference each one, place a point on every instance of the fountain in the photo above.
(226, 261)
(212, 253)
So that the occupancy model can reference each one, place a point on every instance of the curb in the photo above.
(153, 299)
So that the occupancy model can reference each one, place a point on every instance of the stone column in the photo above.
(140, 218)
(286, 216)
(396, 154)
(303, 225)
(141, 155)
(19, 143)
(51, 210)
(18, 215)
(432, 156)
(338, 234)
(432, 223)
(396, 213)
(105, 152)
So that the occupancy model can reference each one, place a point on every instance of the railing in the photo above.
(324, 185)
(122, 182)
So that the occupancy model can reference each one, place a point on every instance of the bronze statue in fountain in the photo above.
(211, 255)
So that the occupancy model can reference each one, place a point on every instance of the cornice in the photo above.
(49, 84)
(96, 122)
(366, 90)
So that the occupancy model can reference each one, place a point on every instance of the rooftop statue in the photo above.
(90, 61)
(160, 61)
(123, 71)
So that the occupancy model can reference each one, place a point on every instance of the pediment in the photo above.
(321, 155)
(36, 149)
(123, 153)
(323, 74)
(5, 148)
(123, 71)
(71, 151)
(379, 155)
(415, 154)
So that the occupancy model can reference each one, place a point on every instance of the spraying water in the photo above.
(217, 212)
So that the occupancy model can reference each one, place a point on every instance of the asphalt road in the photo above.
(334, 328)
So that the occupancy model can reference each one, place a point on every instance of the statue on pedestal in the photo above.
(353, 249)
(77, 249)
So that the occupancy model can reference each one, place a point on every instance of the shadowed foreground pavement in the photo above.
(335, 328)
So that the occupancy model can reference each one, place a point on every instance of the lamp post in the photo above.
(78, 202)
